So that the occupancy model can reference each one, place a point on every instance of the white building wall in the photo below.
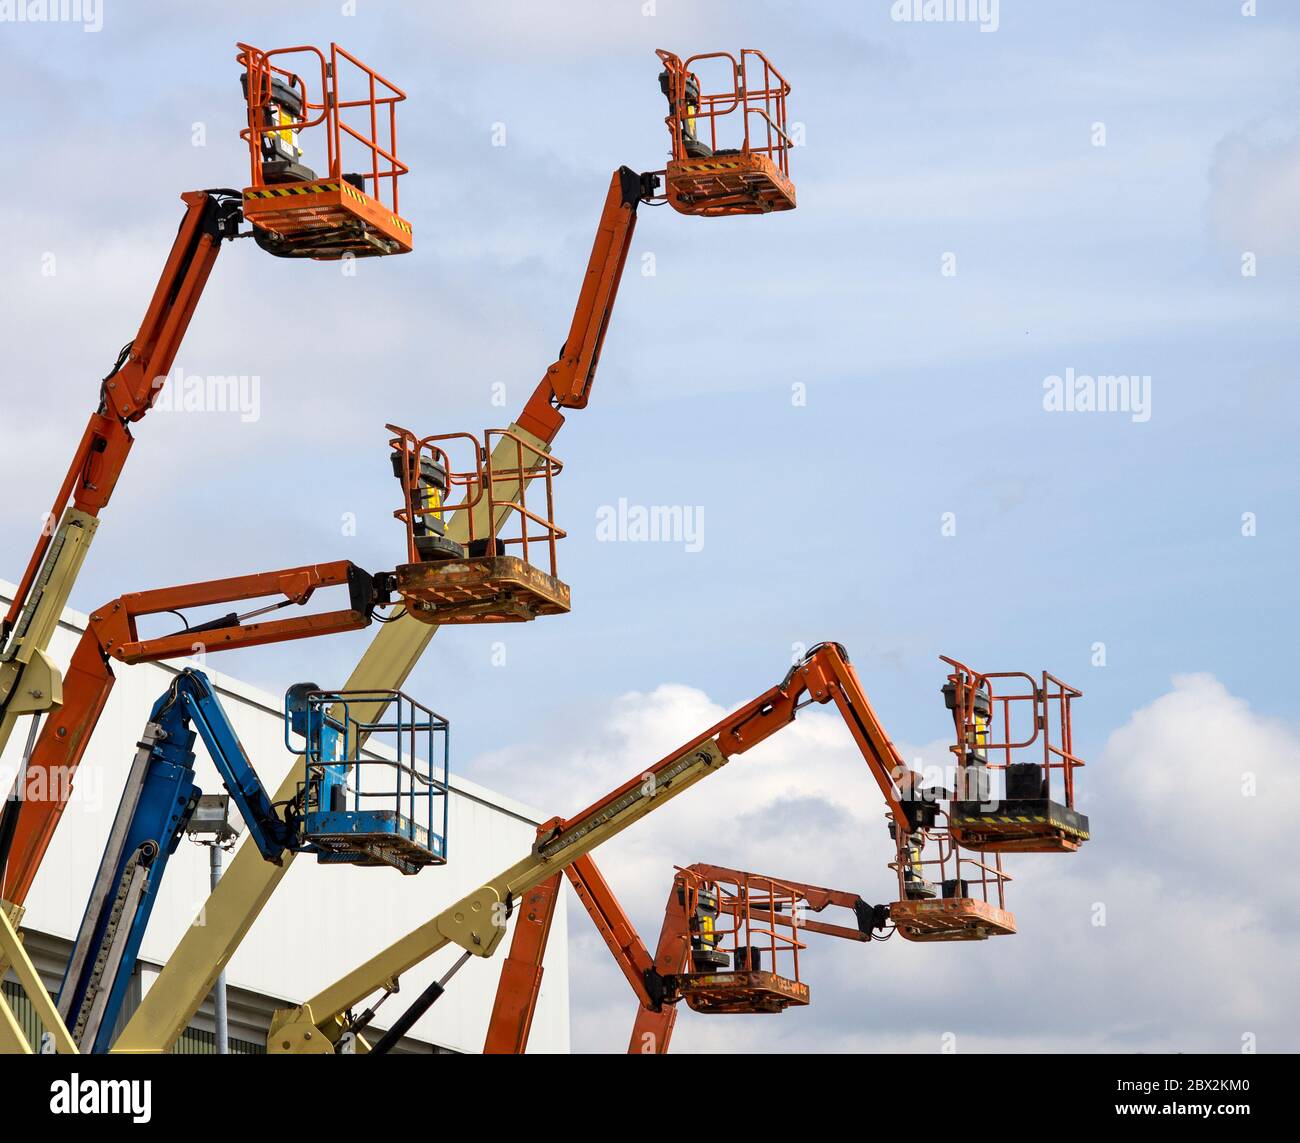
(322, 920)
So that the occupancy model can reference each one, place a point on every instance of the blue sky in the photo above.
(924, 391)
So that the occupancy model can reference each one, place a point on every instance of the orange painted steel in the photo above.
(521, 974)
(613, 924)
(742, 169)
(338, 212)
(568, 381)
(112, 635)
(813, 898)
(764, 162)
(757, 907)
(478, 580)
(748, 986)
(1050, 722)
(824, 675)
(211, 216)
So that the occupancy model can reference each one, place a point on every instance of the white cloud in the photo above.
(1254, 185)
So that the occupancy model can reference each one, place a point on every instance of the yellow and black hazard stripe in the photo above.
(697, 165)
(293, 188)
(1017, 819)
(399, 224)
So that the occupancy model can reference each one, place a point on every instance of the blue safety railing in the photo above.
(375, 788)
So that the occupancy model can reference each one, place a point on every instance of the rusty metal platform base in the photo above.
(951, 919)
(731, 992)
(374, 850)
(324, 219)
(1021, 825)
(728, 183)
(487, 589)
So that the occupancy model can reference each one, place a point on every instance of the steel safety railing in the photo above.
(960, 874)
(366, 119)
(764, 921)
(354, 732)
(1010, 717)
(756, 89)
(490, 490)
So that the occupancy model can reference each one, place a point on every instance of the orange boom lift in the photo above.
(1019, 728)
(968, 903)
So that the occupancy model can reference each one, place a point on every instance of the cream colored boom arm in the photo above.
(478, 921)
(249, 882)
(12, 1039)
(30, 683)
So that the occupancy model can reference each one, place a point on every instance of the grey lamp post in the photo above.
(211, 826)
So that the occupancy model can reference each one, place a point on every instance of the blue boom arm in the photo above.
(156, 806)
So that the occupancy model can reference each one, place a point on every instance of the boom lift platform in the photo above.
(366, 809)
(296, 213)
(291, 215)
(751, 173)
(565, 385)
(1011, 723)
(160, 798)
(479, 580)
(477, 922)
(730, 943)
(739, 932)
(950, 896)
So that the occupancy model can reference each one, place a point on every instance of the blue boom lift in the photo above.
(333, 815)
